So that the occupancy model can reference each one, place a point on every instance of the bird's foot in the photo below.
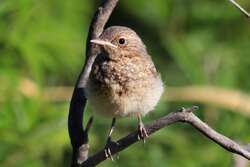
(108, 146)
(142, 132)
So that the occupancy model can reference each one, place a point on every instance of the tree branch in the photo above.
(96, 28)
(184, 115)
(240, 8)
(79, 135)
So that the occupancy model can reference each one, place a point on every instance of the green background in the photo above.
(192, 42)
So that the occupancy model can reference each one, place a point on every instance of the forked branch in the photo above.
(184, 115)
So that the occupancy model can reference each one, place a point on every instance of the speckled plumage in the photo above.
(123, 80)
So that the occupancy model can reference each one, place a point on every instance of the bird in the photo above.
(123, 80)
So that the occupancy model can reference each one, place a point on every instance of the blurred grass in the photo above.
(192, 43)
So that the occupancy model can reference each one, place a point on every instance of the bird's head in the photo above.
(118, 41)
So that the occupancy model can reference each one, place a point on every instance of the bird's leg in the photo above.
(109, 142)
(142, 132)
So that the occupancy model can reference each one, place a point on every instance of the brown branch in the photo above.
(184, 115)
(96, 28)
(240, 8)
(79, 135)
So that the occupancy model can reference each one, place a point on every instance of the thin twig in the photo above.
(240, 8)
(185, 115)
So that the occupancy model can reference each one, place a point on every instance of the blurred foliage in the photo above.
(192, 42)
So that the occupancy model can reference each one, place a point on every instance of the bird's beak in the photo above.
(102, 43)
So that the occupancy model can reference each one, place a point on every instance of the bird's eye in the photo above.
(122, 41)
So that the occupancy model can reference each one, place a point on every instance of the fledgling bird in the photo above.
(123, 80)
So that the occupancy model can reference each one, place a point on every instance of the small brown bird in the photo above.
(123, 80)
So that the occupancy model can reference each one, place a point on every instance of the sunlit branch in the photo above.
(184, 115)
(240, 8)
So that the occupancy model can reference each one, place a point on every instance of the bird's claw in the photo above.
(107, 150)
(142, 132)
(108, 154)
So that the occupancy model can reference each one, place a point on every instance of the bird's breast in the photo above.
(123, 87)
(123, 70)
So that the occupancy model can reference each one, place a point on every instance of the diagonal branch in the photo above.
(184, 115)
(240, 8)
(79, 135)
(96, 28)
